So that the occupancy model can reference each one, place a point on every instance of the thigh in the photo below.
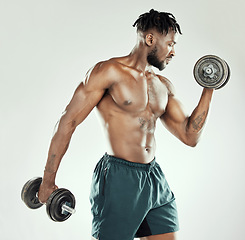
(165, 236)
(119, 202)
(160, 221)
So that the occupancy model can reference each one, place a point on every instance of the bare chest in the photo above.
(136, 95)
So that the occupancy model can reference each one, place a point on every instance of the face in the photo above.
(163, 50)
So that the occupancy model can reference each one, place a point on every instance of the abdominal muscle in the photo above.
(130, 136)
(132, 151)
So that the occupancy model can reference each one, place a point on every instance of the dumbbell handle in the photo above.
(66, 208)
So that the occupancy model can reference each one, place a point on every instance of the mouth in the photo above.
(168, 59)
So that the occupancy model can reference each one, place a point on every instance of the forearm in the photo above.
(198, 117)
(58, 148)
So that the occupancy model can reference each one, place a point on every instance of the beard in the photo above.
(153, 60)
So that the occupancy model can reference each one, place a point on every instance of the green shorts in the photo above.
(131, 200)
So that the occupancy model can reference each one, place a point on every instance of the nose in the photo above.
(172, 53)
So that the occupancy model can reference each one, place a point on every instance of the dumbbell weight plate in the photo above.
(211, 71)
(29, 193)
(56, 200)
(228, 77)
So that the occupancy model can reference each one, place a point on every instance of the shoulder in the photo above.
(168, 84)
(107, 67)
(102, 74)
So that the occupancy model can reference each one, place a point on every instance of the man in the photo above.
(130, 196)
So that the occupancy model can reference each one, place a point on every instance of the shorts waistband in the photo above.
(141, 166)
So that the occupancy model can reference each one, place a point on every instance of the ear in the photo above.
(149, 39)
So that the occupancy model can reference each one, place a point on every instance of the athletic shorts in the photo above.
(131, 200)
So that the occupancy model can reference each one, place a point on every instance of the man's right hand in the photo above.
(45, 191)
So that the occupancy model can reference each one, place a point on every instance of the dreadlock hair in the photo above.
(161, 21)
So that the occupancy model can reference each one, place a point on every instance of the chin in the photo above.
(162, 67)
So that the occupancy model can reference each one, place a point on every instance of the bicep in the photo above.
(175, 119)
(81, 104)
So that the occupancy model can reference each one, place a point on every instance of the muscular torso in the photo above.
(129, 110)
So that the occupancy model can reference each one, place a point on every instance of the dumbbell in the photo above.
(60, 204)
(211, 71)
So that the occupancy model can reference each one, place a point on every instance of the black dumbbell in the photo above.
(60, 205)
(211, 71)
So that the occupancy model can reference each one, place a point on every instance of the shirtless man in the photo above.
(130, 196)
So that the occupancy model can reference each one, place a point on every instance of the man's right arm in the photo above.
(86, 97)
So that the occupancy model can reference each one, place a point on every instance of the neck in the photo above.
(138, 58)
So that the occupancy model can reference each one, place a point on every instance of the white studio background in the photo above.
(47, 47)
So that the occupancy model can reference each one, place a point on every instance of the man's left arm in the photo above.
(187, 128)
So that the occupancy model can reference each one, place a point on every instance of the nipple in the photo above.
(127, 102)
